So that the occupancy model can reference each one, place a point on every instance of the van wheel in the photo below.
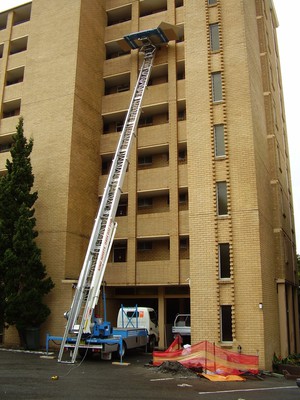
(151, 344)
(123, 350)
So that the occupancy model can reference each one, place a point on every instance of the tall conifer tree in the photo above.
(23, 277)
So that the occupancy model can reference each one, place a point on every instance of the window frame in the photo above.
(226, 323)
(119, 253)
(224, 261)
(221, 208)
(216, 86)
(219, 140)
(214, 35)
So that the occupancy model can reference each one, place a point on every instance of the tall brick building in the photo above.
(205, 221)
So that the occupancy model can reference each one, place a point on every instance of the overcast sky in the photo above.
(288, 12)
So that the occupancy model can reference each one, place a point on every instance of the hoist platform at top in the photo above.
(158, 37)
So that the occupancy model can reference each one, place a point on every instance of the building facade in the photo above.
(205, 220)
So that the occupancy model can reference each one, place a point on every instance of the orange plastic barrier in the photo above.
(208, 356)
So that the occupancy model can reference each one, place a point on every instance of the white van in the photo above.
(140, 317)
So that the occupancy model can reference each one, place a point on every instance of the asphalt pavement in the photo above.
(36, 376)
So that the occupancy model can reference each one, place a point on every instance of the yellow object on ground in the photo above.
(221, 378)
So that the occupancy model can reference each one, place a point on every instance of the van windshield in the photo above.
(153, 317)
(131, 314)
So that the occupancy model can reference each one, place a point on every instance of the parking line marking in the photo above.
(161, 379)
(250, 390)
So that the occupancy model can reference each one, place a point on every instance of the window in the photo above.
(117, 83)
(148, 7)
(106, 164)
(145, 121)
(219, 140)
(212, 2)
(18, 45)
(216, 86)
(11, 108)
(113, 50)
(118, 15)
(214, 37)
(180, 70)
(5, 147)
(144, 245)
(278, 154)
(1, 50)
(22, 14)
(181, 115)
(15, 76)
(145, 160)
(183, 198)
(119, 252)
(182, 156)
(145, 202)
(226, 323)
(121, 210)
(222, 198)
(184, 243)
(224, 260)
(3, 21)
(119, 126)
(180, 33)
(282, 203)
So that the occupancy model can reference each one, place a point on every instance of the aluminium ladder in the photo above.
(89, 284)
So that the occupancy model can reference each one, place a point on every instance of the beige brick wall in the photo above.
(62, 102)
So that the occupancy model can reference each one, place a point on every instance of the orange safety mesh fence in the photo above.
(208, 356)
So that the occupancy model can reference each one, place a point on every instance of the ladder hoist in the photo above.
(87, 292)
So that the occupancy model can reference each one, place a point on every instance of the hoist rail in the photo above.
(88, 288)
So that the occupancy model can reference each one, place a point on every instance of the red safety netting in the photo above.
(208, 356)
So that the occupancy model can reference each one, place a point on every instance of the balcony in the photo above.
(116, 66)
(152, 20)
(157, 94)
(13, 92)
(16, 60)
(18, 45)
(118, 15)
(122, 230)
(180, 51)
(20, 30)
(8, 125)
(154, 224)
(118, 31)
(180, 15)
(153, 135)
(113, 50)
(183, 222)
(11, 108)
(115, 102)
(184, 271)
(103, 181)
(109, 142)
(182, 137)
(156, 273)
(181, 89)
(155, 178)
(183, 175)
(116, 274)
(22, 14)
(117, 84)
